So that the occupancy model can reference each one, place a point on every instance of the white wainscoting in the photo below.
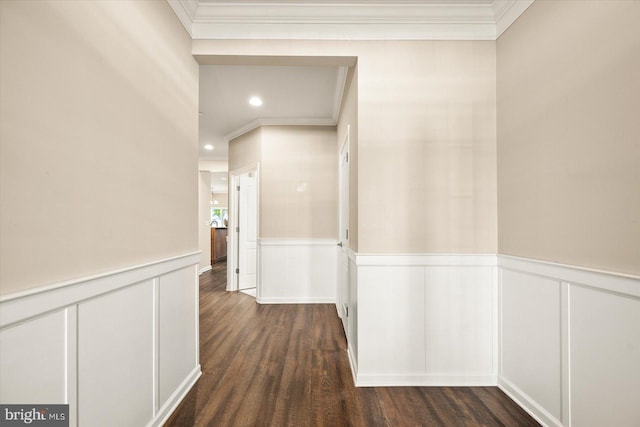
(426, 320)
(570, 343)
(294, 271)
(120, 348)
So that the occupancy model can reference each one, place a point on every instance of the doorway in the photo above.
(243, 254)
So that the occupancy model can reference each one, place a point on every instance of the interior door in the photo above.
(248, 230)
(343, 235)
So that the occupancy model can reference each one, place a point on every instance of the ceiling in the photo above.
(302, 95)
(219, 183)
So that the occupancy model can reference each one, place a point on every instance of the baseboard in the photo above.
(295, 300)
(204, 270)
(528, 404)
(174, 400)
(418, 380)
(353, 363)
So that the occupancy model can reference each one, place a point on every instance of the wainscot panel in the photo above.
(570, 342)
(426, 320)
(297, 271)
(120, 348)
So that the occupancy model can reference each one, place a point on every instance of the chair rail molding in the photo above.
(122, 343)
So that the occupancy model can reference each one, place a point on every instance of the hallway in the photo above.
(286, 365)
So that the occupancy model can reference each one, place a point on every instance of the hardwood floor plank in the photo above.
(287, 365)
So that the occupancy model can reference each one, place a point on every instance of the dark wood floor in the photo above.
(286, 365)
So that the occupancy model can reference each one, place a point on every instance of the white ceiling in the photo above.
(219, 183)
(291, 95)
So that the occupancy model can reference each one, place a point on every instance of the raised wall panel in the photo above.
(570, 342)
(297, 271)
(391, 321)
(605, 358)
(33, 360)
(101, 344)
(531, 337)
(459, 310)
(177, 333)
(115, 358)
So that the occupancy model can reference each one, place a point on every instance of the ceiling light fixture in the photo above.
(208, 147)
(255, 101)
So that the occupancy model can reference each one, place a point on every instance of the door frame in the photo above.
(233, 244)
(343, 251)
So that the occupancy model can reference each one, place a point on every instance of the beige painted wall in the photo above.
(426, 134)
(245, 150)
(569, 134)
(98, 154)
(348, 121)
(222, 198)
(204, 217)
(298, 182)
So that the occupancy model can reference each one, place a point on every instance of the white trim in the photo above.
(604, 280)
(186, 11)
(420, 380)
(71, 363)
(528, 404)
(507, 11)
(297, 271)
(294, 300)
(565, 351)
(353, 20)
(341, 81)
(569, 279)
(296, 242)
(279, 121)
(30, 307)
(204, 270)
(431, 260)
(21, 306)
(174, 400)
(353, 363)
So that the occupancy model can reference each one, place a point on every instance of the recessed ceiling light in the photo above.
(208, 147)
(255, 101)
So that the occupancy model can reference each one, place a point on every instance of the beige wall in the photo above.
(569, 134)
(348, 121)
(99, 122)
(426, 133)
(298, 182)
(222, 198)
(204, 211)
(245, 150)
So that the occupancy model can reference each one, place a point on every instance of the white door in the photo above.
(247, 231)
(343, 235)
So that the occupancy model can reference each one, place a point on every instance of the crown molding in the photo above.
(351, 20)
(507, 11)
(277, 121)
